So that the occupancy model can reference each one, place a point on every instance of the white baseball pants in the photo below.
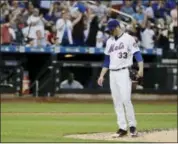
(120, 85)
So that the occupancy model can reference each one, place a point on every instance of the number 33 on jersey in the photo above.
(121, 51)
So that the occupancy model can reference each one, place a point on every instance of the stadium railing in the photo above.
(61, 49)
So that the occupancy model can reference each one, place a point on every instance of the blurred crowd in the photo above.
(82, 23)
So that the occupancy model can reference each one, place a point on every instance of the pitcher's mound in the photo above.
(156, 136)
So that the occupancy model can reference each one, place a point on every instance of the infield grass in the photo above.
(50, 122)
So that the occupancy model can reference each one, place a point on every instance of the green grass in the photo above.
(83, 107)
(52, 128)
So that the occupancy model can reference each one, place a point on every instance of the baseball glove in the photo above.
(133, 76)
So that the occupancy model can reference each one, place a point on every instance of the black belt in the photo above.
(119, 69)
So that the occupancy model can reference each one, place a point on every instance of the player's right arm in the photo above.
(104, 70)
(105, 66)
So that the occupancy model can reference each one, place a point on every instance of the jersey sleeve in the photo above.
(106, 51)
(133, 46)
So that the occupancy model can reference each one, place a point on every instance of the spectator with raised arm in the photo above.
(64, 29)
(54, 13)
(78, 9)
(93, 26)
(28, 11)
(147, 34)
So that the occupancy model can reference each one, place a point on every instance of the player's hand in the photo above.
(140, 74)
(100, 81)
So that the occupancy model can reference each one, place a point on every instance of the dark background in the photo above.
(34, 63)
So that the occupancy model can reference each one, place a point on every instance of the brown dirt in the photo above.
(66, 100)
(155, 136)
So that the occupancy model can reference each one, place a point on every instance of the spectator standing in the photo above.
(147, 36)
(71, 83)
(170, 4)
(149, 11)
(93, 27)
(4, 11)
(44, 4)
(40, 40)
(35, 22)
(64, 29)
(79, 11)
(139, 4)
(20, 24)
(145, 2)
(139, 15)
(154, 5)
(7, 34)
(127, 8)
(174, 16)
(54, 13)
(162, 40)
(161, 12)
(116, 4)
(35, 19)
(175, 25)
(15, 8)
(28, 11)
(51, 36)
(101, 35)
(100, 38)
(101, 10)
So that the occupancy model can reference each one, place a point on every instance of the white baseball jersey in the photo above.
(121, 51)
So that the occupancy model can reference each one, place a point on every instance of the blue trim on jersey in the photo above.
(138, 56)
(106, 61)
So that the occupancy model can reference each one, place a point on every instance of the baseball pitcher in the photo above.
(119, 52)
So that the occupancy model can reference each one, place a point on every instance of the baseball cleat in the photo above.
(120, 133)
(133, 132)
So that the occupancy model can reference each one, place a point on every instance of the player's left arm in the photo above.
(139, 60)
(138, 56)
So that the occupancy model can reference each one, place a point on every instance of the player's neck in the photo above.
(119, 35)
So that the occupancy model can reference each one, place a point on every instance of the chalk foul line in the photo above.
(81, 113)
